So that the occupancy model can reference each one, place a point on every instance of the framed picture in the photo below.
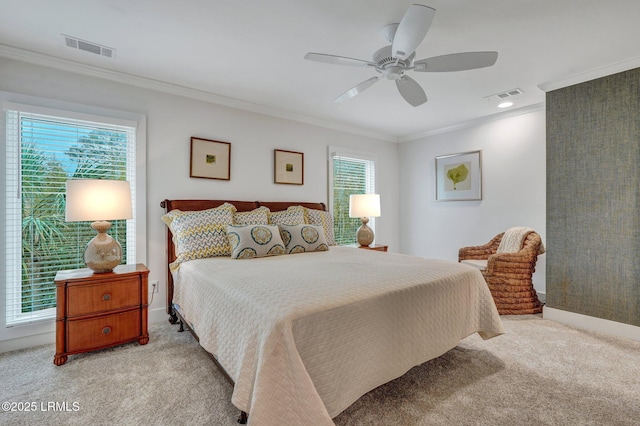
(288, 167)
(459, 177)
(210, 159)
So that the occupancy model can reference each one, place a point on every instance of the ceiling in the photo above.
(249, 54)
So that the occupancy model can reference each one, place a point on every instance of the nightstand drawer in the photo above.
(103, 297)
(102, 331)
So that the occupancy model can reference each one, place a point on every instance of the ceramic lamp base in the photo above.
(364, 234)
(103, 253)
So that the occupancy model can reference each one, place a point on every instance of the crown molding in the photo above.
(205, 96)
(592, 74)
(175, 89)
(476, 122)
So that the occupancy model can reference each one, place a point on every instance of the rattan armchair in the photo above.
(508, 275)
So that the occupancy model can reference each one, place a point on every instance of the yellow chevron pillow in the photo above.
(324, 219)
(259, 216)
(200, 234)
(294, 215)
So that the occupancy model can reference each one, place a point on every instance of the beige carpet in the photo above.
(540, 373)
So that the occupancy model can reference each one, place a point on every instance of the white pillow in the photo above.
(303, 238)
(254, 241)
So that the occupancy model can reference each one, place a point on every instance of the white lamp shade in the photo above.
(98, 199)
(364, 205)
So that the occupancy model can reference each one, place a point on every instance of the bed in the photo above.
(303, 336)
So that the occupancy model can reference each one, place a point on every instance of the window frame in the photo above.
(29, 104)
(334, 151)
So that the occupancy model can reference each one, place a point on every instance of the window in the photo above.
(349, 173)
(43, 150)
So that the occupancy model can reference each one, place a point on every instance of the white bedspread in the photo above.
(305, 335)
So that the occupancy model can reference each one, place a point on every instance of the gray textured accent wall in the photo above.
(593, 198)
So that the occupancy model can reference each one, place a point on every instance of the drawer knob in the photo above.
(106, 296)
(106, 330)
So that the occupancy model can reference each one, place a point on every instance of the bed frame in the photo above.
(175, 317)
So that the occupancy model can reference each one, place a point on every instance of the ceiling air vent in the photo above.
(506, 95)
(509, 93)
(88, 46)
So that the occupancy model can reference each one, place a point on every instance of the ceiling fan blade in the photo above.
(412, 29)
(337, 60)
(356, 90)
(456, 62)
(411, 91)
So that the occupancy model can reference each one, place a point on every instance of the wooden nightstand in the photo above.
(96, 311)
(377, 247)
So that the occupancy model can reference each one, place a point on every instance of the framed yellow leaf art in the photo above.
(459, 177)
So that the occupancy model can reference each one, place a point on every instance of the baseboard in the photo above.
(157, 315)
(586, 322)
(31, 341)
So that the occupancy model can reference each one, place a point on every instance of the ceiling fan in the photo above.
(392, 61)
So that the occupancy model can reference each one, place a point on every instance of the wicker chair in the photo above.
(508, 275)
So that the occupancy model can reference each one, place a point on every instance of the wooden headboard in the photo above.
(194, 205)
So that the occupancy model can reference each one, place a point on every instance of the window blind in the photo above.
(350, 175)
(43, 151)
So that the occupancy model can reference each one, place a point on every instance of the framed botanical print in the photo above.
(459, 177)
(288, 167)
(210, 159)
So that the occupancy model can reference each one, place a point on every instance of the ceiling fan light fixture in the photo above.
(393, 60)
(505, 104)
(393, 72)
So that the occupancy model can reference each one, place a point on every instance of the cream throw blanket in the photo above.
(513, 239)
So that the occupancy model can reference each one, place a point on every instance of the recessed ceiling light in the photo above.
(505, 104)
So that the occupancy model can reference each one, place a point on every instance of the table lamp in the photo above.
(364, 206)
(99, 200)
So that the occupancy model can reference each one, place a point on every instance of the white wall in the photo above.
(513, 150)
(172, 120)
(513, 188)
(253, 138)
